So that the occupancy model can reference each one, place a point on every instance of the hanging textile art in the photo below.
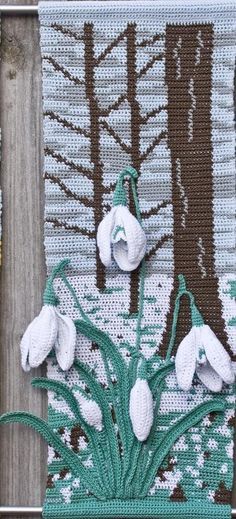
(139, 317)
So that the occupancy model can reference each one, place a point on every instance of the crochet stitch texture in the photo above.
(150, 85)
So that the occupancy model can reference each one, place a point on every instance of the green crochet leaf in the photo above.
(156, 378)
(99, 456)
(113, 454)
(70, 459)
(136, 448)
(168, 440)
(119, 394)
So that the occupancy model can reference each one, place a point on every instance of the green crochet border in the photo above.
(148, 507)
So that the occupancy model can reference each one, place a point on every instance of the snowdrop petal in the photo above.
(217, 355)
(104, 237)
(41, 336)
(141, 409)
(65, 342)
(91, 412)
(120, 252)
(136, 238)
(185, 361)
(209, 377)
(130, 249)
(25, 346)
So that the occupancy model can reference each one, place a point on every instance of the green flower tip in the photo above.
(182, 283)
(120, 197)
(196, 316)
(49, 297)
(129, 171)
(142, 369)
(60, 267)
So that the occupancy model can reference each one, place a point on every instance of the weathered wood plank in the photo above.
(23, 454)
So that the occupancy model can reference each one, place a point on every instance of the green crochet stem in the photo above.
(119, 197)
(137, 355)
(50, 297)
(196, 317)
(76, 300)
(159, 375)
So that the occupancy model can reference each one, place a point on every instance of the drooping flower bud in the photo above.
(91, 412)
(141, 405)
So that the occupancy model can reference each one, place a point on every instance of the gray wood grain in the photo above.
(22, 453)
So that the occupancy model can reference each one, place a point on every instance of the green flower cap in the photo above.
(120, 197)
(182, 284)
(142, 369)
(196, 316)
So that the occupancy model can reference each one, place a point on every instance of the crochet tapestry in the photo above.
(139, 315)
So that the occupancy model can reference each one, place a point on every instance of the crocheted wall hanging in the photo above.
(138, 323)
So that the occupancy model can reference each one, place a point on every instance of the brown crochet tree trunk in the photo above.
(135, 142)
(90, 64)
(188, 77)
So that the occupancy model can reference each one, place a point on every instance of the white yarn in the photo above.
(121, 231)
(65, 342)
(141, 409)
(91, 412)
(48, 330)
(202, 352)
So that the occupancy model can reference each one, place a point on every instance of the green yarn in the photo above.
(142, 370)
(93, 435)
(111, 442)
(182, 284)
(118, 229)
(121, 403)
(119, 197)
(197, 319)
(71, 460)
(49, 296)
(168, 439)
(149, 507)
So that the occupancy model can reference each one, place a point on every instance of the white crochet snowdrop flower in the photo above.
(91, 412)
(50, 329)
(120, 232)
(141, 405)
(202, 352)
